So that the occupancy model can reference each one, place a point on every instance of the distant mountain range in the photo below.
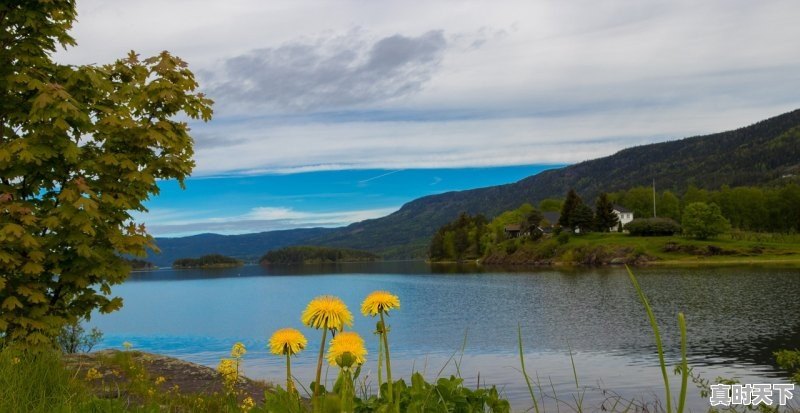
(764, 153)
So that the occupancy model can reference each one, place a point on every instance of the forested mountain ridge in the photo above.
(247, 247)
(758, 154)
(764, 153)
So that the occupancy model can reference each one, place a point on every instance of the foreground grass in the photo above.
(115, 381)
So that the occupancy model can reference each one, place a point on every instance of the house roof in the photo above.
(513, 227)
(621, 208)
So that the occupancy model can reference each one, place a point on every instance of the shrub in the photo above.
(73, 338)
(653, 227)
(563, 238)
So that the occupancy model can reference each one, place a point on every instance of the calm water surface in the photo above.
(736, 317)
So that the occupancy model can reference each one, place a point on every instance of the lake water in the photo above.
(736, 317)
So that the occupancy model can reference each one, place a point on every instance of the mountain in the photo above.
(247, 247)
(764, 153)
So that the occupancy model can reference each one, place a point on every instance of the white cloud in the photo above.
(473, 83)
(256, 220)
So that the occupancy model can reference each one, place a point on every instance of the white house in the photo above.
(624, 215)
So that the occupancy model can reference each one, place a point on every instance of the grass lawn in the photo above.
(746, 248)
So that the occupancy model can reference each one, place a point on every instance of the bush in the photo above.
(73, 338)
(563, 238)
(653, 227)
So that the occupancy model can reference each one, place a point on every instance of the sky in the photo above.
(314, 97)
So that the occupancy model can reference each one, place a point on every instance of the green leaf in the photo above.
(10, 303)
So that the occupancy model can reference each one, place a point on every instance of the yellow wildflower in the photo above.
(160, 380)
(287, 341)
(127, 345)
(238, 350)
(151, 392)
(247, 404)
(327, 312)
(344, 344)
(93, 374)
(15, 361)
(229, 370)
(379, 302)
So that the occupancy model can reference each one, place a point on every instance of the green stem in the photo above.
(656, 334)
(524, 372)
(289, 382)
(684, 363)
(384, 333)
(315, 401)
(380, 361)
(348, 391)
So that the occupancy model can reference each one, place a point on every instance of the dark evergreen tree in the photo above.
(568, 209)
(582, 218)
(604, 214)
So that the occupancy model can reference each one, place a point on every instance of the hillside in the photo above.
(755, 155)
(246, 247)
(760, 154)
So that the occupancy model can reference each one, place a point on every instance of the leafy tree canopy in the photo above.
(703, 221)
(80, 148)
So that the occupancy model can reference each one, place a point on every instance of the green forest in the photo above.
(207, 261)
(315, 255)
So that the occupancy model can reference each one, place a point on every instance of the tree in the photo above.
(568, 209)
(582, 218)
(639, 200)
(81, 147)
(532, 222)
(669, 206)
(604, 214)
(550, 205)
(703, 221)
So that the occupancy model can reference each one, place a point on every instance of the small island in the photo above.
(140, 265)
(316, 255)
(207, 261)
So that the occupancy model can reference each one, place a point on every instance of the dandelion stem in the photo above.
(289, 383)
(380, 360)
(384, 334)
(316, 402)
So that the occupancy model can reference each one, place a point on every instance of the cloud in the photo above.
(447, 84)
(259, 219)
(334, 72)
(547, 139)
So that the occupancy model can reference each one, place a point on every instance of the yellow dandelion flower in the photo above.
(15, 361)
(127, 345)
(93, 374)
(327, 312)
(379, 302)
(287, 341)
(160, 380)
(238, 350)
(345, 343)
